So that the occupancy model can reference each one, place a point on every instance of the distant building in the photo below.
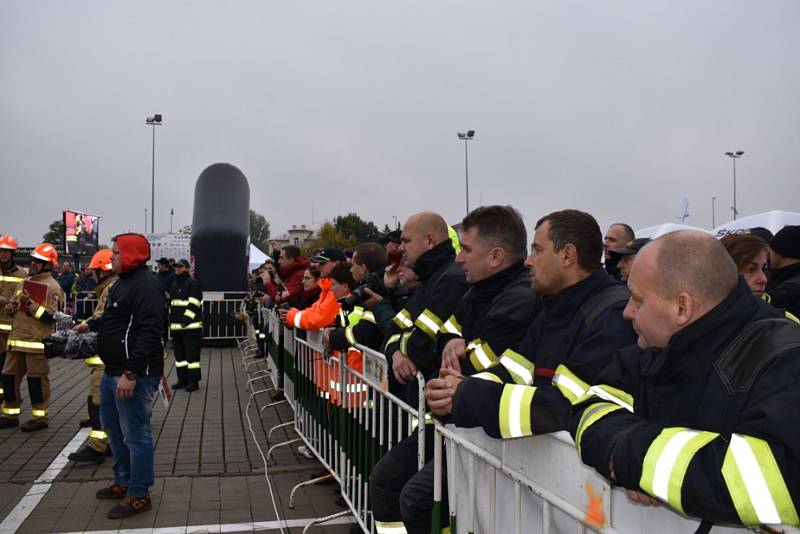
(296, 235)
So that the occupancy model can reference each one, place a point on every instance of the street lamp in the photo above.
(734, 156)
(713, 212)
(153, 121)
(466, 137)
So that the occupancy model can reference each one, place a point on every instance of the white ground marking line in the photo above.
(41, 485)
(229, 527)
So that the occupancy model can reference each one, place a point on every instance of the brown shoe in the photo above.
(130, 506)
(114, 491)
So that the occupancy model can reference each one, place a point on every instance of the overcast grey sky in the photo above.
(618, 108)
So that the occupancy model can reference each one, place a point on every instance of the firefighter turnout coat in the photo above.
(708, 424)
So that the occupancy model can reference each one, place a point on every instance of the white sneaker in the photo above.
(305, 452)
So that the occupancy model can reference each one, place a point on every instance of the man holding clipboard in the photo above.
(33, 305)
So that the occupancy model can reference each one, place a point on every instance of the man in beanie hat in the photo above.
(784, 280)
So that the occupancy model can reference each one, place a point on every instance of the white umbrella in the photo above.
(660, 229)
(772, 220)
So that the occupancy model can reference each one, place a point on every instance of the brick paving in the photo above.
(208, 468)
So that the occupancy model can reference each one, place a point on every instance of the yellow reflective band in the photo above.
(789, 315)
(93, 361)
(11, 279)
(390, 527)
(612, 394)
(297, 319)
(766, 298)
(39, 312)
(428, 322)
(570, 386)
(515, 411)
(183, 363)
(667, 460)
(486, 375)
(451, 326)
(368, 316)
(519, 367)
(193, 365)
(5, 327)
(755, 483)
(176, 326)
(590, 416)
(38, 413)
(392, 339)
(1, 390)
(10, 411)
(98, 434)
(189, 313)
(348, 333)
(191, 326)
(262, 336)
(196, 302)
(429, 420)
(25, 344)
(403, 319)
(178, 303)
(481, 355)
(404, 342)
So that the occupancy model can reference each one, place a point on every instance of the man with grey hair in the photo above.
(698, 414)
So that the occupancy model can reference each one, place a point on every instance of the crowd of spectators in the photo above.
(590, 334)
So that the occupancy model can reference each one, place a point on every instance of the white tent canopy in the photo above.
(257, 257)
(660, 229)
(772, 220)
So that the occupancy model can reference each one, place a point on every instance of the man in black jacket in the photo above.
(129, 343)
(580, 324)
(700, 415)
(491, 317)
(783, 287)
(186, 326)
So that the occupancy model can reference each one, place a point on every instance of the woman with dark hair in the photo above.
(343, 282)
(751, 255)
(311, 290)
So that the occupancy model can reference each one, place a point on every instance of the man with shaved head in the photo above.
(701, 414)
(412, 346)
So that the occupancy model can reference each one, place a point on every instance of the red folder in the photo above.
(37, 291)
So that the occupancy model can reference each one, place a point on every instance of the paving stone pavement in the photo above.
(208, 468)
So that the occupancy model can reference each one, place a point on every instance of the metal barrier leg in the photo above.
(307, 483)
(326, 519)
(290, 424)
(436, 519)
(282, 444)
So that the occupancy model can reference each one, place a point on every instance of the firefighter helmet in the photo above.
(101, 260)
(45, 252)
(7, 242)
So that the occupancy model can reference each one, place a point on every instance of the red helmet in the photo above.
(45, 252)
(7, 242)
(101, 260)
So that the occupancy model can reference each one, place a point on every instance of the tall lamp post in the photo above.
(713, 212)
(153, 121)
(466, 137)
(734, 156)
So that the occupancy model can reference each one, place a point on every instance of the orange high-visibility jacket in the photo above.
(320, 314)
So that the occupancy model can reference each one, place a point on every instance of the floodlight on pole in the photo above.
(466, 137)
(153, 121)
(734, 156)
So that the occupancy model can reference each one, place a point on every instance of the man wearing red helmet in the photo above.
(96, 448)
(11, 275)
(33, 321)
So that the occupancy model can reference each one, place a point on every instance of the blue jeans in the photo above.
(128, 426)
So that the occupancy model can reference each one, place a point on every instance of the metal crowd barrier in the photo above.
(219, 309)
(84, 307)
(536, 484)
(348, 419)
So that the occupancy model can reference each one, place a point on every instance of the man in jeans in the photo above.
(129, 343)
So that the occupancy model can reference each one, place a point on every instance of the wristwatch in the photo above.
(130, 375)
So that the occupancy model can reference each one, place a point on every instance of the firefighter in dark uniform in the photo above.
(33, 321)
(701, 415)
(491, 317)
(96, 449)
(186, 326)
(11, 275)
